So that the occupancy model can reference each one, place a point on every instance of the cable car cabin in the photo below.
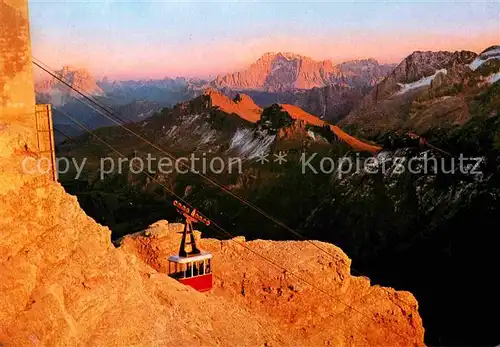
(194, 271)
(191, 266)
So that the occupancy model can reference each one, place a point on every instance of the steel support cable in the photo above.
(223, 230)
(218, 185)
(87, 96)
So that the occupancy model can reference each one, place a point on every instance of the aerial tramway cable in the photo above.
(210, 180)
(87, 96)
(219, 229)
(76, 122)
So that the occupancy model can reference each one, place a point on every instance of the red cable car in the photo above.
(191, 266)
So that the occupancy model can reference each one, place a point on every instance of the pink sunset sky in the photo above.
(154, 40)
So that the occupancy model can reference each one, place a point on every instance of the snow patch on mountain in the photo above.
(207, 135)
(493, 78)
(484, 57)
(424, 81)
(250, 144)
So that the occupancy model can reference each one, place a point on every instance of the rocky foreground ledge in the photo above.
(355, 314)
(63, 283)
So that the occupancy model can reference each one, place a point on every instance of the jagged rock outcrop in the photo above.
(55, 92)
(358, 145)
(279, 72)
(63, 283)
(242, 104)
(296, 131)
(416, 66)
(356, 313)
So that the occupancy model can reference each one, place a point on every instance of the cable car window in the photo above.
(182, 271)
(196, 268)
(208, 267)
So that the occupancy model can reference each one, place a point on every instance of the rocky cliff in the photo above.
(55, 92)
(422, 81)
(280, 72)
(63, 283)
(356, 313)
(419, 65)
(242, 105)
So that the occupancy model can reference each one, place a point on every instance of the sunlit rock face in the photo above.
(58, 93)
(63, 283)
(280, 72)
(297, 308)
(423, 77)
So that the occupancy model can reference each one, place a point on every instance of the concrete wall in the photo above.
(17, 96)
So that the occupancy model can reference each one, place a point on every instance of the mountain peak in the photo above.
(287, 71)
(282, 71)
(361, 61)
(68, 70)
(59, 93)
(242, 105)
(211, 91)
(68, 67)
(421, 64)
(287, 55)
(490, 53)
(490, 49)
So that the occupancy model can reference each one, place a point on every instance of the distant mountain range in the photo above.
(281, 72)
(364, 91)
(166, 91)
(321, 88)
(424, 85)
